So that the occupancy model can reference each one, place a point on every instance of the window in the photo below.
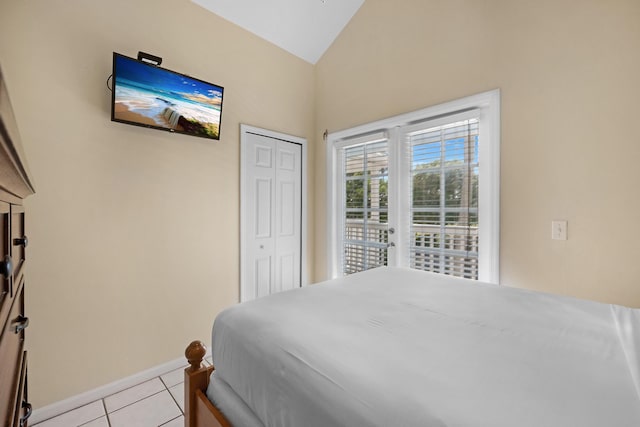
(365, 206)
(419, 190)
(444, 198)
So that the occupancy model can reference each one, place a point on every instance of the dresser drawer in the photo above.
(6, 290)
(18, 241)
(23, 408)
(11, 364)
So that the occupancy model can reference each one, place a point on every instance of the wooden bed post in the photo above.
(195, 378)
(198, 410)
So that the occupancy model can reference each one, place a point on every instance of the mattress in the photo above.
(230, 404)
(401, 347)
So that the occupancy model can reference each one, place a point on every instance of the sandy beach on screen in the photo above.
(121, 112)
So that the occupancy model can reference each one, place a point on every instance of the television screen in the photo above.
(150, 96)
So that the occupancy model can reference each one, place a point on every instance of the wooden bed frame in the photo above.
(198, 409)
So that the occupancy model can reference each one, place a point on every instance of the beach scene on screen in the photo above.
(152, 96)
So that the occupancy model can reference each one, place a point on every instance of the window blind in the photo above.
(437, 206)
(365, 202)
(444, 198)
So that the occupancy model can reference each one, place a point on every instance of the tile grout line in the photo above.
(171, 394)
(104, 404)
(173, 419)
(71, 410)
(137, 401)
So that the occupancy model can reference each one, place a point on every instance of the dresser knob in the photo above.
(21, 241)
(21, 323)
(6, 266)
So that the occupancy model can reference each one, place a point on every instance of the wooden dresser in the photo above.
(15, 186)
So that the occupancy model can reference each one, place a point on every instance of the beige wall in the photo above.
(133, 233)
(568, 72)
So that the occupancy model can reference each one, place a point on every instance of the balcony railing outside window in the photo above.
(455, 254)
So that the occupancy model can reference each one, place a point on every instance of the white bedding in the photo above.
(230, 404)
(399, 347)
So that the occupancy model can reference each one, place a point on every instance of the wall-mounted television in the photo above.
(147, 95)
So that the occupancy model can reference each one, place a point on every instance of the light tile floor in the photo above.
(153, 403)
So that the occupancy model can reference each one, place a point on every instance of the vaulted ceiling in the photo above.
(305, 28)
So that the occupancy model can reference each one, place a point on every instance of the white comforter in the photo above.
(399, 347)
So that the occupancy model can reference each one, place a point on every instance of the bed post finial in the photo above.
(195, 353)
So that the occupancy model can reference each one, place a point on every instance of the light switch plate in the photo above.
(559, 230)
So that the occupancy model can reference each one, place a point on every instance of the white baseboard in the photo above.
(73, 402)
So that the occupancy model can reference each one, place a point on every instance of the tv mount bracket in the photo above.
(151, 59)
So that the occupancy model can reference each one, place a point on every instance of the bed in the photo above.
(400, 347)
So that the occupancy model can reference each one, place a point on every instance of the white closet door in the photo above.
(288, 210)
(272, 212)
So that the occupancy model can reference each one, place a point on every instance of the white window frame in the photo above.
(489, 170)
